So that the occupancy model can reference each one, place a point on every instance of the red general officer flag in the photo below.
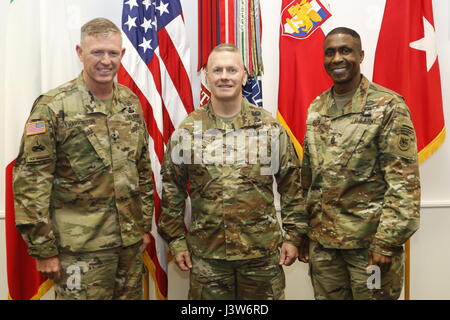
(406, 62)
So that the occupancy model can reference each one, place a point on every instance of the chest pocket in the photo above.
(126, 139)
(84, 152)
(349, 142)
(360, 148)
(257, 174)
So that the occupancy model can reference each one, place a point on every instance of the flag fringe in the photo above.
(427, 151)
(297, 145)
(43, 289)
(152, 270)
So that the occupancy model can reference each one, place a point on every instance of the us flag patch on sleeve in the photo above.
(36, 127)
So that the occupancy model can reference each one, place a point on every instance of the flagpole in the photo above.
(407, 271)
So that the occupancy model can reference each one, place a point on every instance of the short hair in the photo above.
(225, 47)
(229, 47)
(99, 26)
(348, 31)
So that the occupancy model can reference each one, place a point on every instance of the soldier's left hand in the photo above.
(288, 254)
(145, 241)
(382, 261)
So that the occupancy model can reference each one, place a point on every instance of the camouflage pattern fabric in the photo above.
(360, 172)
(340, 274)
(102, 275)
(233, 213)
(83, 179)
(251, 279)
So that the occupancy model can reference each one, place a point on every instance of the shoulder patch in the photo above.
(36, 127)
(405, 138)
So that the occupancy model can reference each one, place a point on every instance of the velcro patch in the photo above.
(406, 138)
(37, 127)
(404, 142)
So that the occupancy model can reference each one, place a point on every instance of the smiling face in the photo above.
(101, 55)
(342, 59)
(225, 75)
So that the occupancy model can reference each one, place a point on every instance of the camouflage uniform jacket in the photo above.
(83, 181)
(233, 213)
(360, 171)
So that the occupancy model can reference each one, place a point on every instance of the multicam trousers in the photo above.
(338, 274)
(101, 275)
(252, 279)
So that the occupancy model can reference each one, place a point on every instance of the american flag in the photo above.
(156, 67)
(35, 128)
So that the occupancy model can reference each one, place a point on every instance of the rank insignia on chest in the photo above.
(333, 140)
(367, 113)
(36, 127)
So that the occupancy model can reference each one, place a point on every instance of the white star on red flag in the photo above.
(427, 43)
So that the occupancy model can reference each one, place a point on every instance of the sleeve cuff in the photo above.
(178, 246)
(147, 228)
(294, 238)
(384, 248)
(43, 251)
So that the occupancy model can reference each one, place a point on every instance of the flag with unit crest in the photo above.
(302, 76)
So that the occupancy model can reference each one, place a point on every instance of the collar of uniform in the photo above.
(357, 103)
(89, 100)
(245, 118)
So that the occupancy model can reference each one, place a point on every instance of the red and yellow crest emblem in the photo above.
(301, 18)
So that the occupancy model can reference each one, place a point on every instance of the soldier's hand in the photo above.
(288, 254)
(145, 242)
(303, 250)
(49, 267)
(183, 260)
(382, 261)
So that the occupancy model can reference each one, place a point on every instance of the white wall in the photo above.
(429, 263)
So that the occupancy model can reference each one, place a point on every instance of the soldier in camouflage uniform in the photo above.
(232, 244)
(83, 180)
(360, 179)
